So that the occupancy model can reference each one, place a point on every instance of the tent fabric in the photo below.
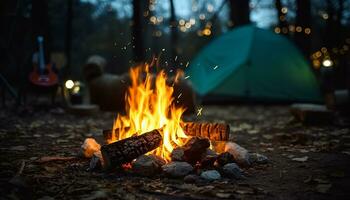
(249, 62)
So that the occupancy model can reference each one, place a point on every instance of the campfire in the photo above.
(153, 137)
(151, 108)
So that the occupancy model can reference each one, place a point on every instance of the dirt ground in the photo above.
(306, 162)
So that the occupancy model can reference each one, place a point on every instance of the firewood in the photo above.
(124, 151)
(194, 149)
(212, 131)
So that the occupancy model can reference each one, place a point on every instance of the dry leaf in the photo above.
(301, 159)
(323, 188)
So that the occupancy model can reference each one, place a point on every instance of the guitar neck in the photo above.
(41, 54)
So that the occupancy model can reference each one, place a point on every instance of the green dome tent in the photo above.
(253, 63)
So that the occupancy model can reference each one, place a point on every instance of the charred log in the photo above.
(212, 131)
(124, 151)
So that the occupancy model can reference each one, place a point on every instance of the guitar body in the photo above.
(43, 74)
(46, 79)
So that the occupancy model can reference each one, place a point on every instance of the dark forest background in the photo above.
(128, 31)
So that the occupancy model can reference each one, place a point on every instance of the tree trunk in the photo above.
(173, 36)
(303, 19)
(137, 17)
(68, 38)
(239, 12)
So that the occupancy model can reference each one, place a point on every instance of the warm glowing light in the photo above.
(192, 21)
(69, 84)
(76, 89)
(210, 8)
(316, 64)
(307, 31)
(324, 49)
(318, 54)
(299, 29)
(325, 16)
(153, 19)
(282, 18)
(327, 63)
(284, 10)
(285, 30)
(150, 106)
(291, 28)
(277, 30)
(181, 22)
(206, 32)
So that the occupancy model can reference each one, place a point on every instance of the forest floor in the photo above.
(306, 162)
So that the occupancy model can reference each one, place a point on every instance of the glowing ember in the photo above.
(150, 108)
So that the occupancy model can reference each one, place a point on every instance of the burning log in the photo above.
(212, 131)
(124, 151)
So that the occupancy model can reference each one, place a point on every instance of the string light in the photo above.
(325, 16)
(277, 30)
(206, 32)
(307, 31)
(284, 10)
(299, 29)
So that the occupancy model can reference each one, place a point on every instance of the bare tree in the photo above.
(239, 12)
(137, 41)
(174, 36)
(303, 19)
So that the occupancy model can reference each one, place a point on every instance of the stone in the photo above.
(208, 158)
(194, 149)
(99, 194)
(232, 170)
(147, 165)
(177, 154)
(96, 161)
(211, 175)
(89, 147)
(177, 169)
(239, 153)
(225, 158)
(191, 178)
(258, 158)
(312, 113)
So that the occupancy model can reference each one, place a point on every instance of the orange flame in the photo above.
(149, 108)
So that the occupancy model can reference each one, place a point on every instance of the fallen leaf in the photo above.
(301, 159)
(338, 174)
(323, 188)
(268, 137)
(18, 148)
(55, 158)
(223, 195)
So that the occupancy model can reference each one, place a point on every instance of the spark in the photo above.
(179, 95)
(215, 67)
(187, 77)
(175, 58)
(187, 64)
(199, 111)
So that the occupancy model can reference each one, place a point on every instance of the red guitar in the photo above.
(43, 75)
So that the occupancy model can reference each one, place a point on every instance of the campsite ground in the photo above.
(320, 169)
